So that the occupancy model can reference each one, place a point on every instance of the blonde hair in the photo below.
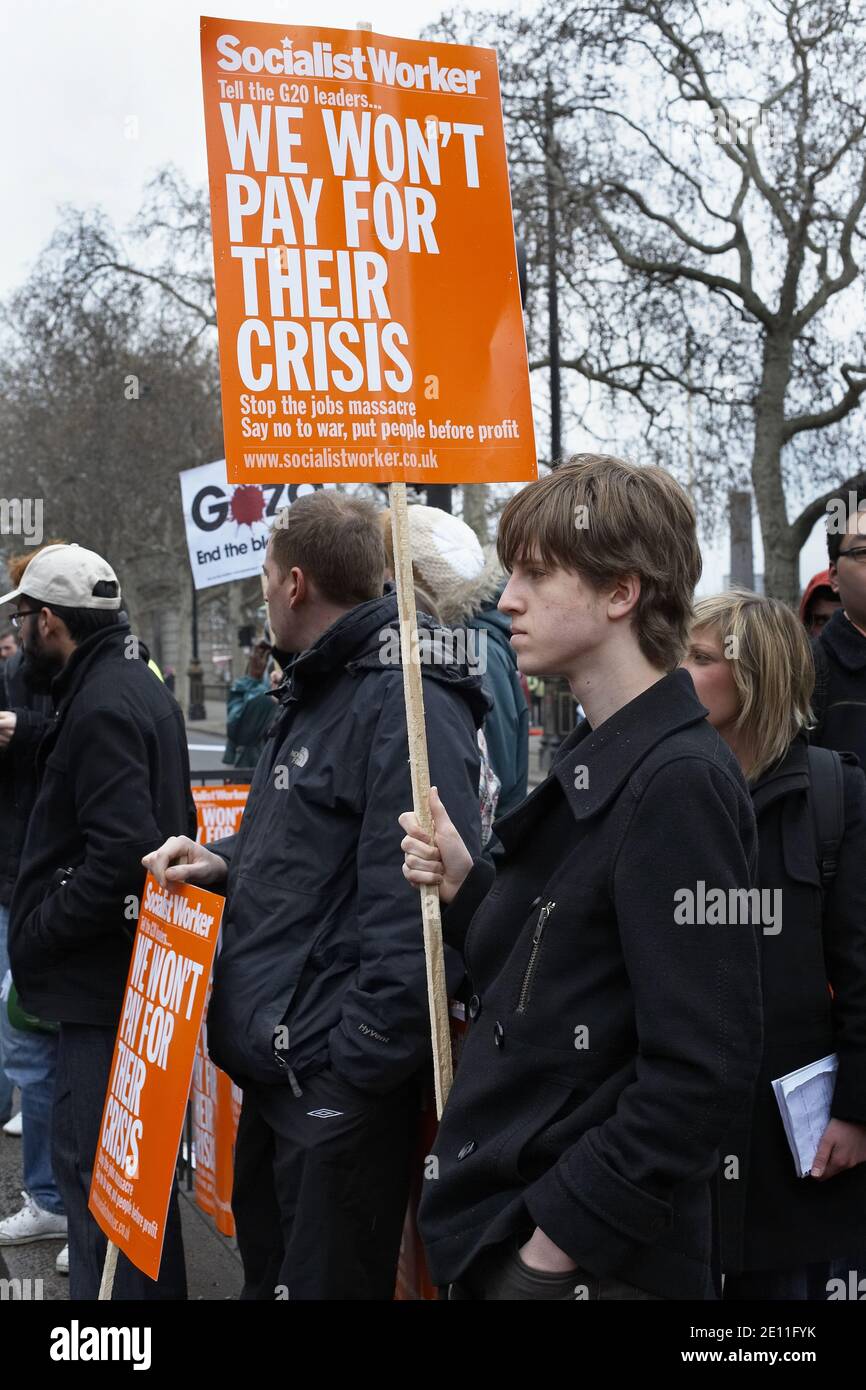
(772, 666)
(601, 517)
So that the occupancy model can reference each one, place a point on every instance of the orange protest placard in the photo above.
(142, 1119)
(369, 314)
(218, 811)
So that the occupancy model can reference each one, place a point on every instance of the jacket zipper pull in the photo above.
(533, 955)
(542, 922)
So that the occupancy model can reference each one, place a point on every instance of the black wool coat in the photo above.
(113, 773)
(610, 1047)
(770, 1217)
(840, 693)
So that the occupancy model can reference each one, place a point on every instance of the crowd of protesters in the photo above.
(612, 1132)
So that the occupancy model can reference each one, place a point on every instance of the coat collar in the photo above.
(611, 752)
(847, 644)
(106, 642)
(790, 773)
(608, 755)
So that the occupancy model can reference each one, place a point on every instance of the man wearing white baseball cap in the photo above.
(70, 576)
(113, 772)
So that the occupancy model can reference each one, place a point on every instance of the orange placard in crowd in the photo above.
(370, 325)
(218, 811)
(142, 1119)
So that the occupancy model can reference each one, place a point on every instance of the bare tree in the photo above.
(167, 253)
(711, 162)
(100, 408)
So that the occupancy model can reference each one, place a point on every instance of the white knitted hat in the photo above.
(449, 562)
(445, 550)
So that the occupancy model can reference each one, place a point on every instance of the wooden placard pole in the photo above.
(109, 1269)
(437, 993)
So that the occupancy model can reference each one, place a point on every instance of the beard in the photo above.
(38, 669)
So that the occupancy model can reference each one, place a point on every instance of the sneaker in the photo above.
(31, 1223)
(61, 1264)
(14, 1126)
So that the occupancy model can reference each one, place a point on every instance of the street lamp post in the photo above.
(197, 709)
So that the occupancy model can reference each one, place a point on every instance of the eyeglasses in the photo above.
(18, 618)
(857, 553)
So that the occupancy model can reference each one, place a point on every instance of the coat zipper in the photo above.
(533, 956)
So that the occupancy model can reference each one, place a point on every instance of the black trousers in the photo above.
(321, 1187)
(84, 1056)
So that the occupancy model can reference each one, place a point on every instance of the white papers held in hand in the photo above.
(804, 1098)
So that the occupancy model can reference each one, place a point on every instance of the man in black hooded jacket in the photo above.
(319, 1008)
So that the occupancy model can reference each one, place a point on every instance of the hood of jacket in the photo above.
(365, 639)
(819, 581)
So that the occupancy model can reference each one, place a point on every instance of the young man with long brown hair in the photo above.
(610, 1045)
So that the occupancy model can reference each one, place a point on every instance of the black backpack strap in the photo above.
(827, 801)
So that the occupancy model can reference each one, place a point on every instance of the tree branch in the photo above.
(801, 527)
(161, 283)
(678, 270)
(820, 419)
(704, 247)
(850, 269)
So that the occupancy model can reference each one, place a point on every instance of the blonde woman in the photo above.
(785, 1237)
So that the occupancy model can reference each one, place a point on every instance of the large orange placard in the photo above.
(369, 314)
(151, 1070)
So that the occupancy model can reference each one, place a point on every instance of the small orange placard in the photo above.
(218, 811)
(368, 306)
(142, 1119)
(215, 1108)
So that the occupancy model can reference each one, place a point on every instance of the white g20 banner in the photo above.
(227, 524)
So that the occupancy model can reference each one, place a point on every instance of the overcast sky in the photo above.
(81, 77)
